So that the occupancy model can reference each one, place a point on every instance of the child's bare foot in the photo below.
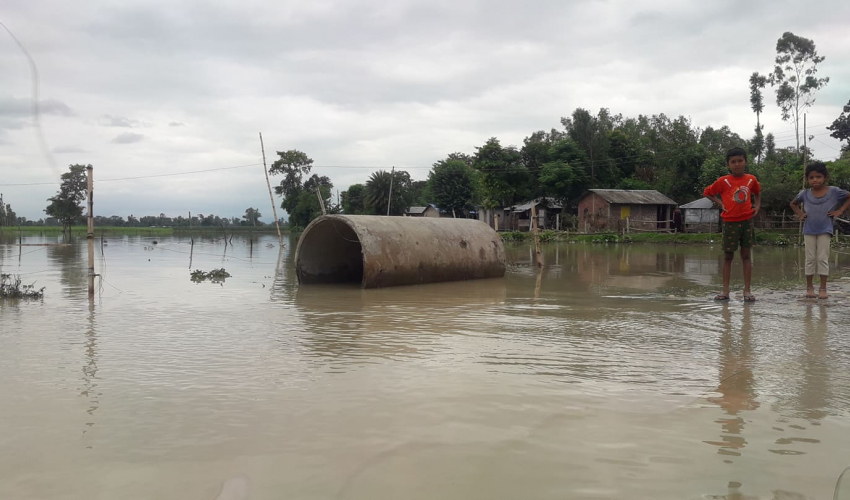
(749, 297)
(810, 293)
(823, 294)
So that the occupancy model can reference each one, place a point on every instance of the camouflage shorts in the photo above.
(737, 233)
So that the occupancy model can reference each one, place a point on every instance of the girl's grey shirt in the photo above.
(817, 220)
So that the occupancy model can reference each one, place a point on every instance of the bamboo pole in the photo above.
(390, 199)
(537, 256)
(271, 197)
(90, 228)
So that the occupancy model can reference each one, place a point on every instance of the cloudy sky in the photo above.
(143, 88)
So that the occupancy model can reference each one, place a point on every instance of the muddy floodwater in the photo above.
(610, 374)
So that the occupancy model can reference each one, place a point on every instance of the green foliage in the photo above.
(795, 78)
(252, 216)
(66, 205)
(841, 128)
(354, 199)
(293, 165)
(13, 288)
(515, 236)
(839, 173)
(214, 276)
(453, 185)
(378, 192)
(505, 180)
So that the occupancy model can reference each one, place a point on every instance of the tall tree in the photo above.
(505, 180)
(795, 77)
(453, 185)
(252, 216)
(353, 199)
(66, 205)
(841, 128)
(757, 83)
(378, 192)
(293, 165)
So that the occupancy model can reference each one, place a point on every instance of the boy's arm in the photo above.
(719, 202)
(757, 201)
(711, 193)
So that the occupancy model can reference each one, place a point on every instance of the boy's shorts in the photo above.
(737, 233)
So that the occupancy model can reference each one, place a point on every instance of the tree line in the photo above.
(597, 150)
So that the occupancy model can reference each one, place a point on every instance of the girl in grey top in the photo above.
(821, 204)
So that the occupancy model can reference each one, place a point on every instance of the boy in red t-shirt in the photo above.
(736, 194)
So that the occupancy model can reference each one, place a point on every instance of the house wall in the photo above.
(431, 212)
(593, 213)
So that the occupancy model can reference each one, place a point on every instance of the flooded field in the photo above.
(609, 375)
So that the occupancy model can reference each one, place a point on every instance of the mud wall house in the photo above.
(700, 216)
(497, 218)
(428, 211)
(608, 209)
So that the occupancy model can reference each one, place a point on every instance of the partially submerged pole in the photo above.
(90, 228)
(390, 198)
(271, 197)
(538, 259)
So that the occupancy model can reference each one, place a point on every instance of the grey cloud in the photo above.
(176, 124)
(21, 107)
(68, 150)
(127, 138)
(118, 121)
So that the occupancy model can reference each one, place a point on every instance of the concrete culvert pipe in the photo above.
(380, 251)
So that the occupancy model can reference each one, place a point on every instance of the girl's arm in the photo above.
(795, 206)
(841, 209)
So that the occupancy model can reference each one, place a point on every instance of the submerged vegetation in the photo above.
(214, 276)
(11, 287)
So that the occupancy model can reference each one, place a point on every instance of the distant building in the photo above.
(701, 216)
(608, 210)
(427, 211)
(518, 217)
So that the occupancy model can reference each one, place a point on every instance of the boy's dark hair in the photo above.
(736, 152)
(817, 166)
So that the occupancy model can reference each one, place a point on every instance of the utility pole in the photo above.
(90, 229)
(390, 199)
(271, 198)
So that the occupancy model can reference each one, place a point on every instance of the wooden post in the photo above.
(537, 256)
(271, 198)
(90, 228)
(800, 238)
(321, 201)
(390, 199)
(251, 239)
(101, 243)
(557, 222)
(191, 253)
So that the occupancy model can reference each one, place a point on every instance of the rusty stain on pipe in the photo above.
(378, 251)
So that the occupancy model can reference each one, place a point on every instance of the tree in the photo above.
(378, 192)
(353, 199)
(66, 205)
(559, 180)
(453, 185)
(757, 83)
(841, 128)
(505, 180)
(293, 165)
(252, 215)
(797, 62)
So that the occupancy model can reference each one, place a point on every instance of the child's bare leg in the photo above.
(810, 287)
(728, 257)
(748, 269)
(823, 294)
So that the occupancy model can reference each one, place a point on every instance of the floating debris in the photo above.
(12, 288)
(214, 276)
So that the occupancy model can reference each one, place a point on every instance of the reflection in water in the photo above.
(814, 394)
(89, 370)
(345, 320)
(736, 385)
(73, 271)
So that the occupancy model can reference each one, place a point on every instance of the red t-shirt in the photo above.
(737, 195)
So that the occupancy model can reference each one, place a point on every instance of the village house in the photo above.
(701, 216)
(427, 211)
(518, 217)
(618, 209)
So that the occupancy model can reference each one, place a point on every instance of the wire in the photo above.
(141, 176)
